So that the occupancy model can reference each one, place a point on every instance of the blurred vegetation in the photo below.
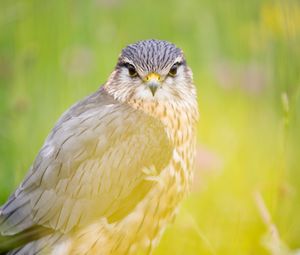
(246, 61)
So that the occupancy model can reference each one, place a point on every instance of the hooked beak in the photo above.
(153, 82)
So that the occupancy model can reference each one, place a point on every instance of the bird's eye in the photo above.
(173, 70)
(131, 70)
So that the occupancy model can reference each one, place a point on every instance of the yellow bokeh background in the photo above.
(245, 56)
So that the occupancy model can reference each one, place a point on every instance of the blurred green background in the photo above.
(245, 56)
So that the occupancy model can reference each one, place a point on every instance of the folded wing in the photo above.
(92, 165)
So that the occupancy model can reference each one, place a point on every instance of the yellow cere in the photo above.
(152, 76)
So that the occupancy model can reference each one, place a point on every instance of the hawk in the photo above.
(113, 170)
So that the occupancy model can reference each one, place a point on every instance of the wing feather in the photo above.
(91, 166)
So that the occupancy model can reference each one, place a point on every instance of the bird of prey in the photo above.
(113, 170)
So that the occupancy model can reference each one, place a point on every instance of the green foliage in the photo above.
(246, 60)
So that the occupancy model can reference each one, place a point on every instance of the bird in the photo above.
(114, 169)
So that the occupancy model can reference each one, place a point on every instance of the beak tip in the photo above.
(153, 89)
(153, 82)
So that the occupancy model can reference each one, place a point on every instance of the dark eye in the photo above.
(173, 70)
(131, 70)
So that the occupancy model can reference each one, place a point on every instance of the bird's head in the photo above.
(151, 70)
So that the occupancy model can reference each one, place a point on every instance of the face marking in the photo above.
(158, 72)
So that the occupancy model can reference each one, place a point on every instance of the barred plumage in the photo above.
(151, 55)
(116, 165)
